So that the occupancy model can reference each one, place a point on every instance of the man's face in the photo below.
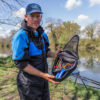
(33, 20)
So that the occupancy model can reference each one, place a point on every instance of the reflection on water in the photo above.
(3, 55)
(5, 52)
(89, 65)
(90, 70)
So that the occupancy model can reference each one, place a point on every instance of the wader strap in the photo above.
(43, 54)
(28, 39)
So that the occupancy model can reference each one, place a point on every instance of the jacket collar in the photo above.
(29, 29)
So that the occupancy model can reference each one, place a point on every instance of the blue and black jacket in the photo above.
(30, 48)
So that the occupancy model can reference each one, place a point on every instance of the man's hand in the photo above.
(50, 78)
(33, 71)
(53, 54)
(58, 51)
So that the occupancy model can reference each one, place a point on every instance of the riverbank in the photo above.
(89, 44)
(8, 89)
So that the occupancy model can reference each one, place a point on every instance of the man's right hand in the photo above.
(49, 78)
(33, 71)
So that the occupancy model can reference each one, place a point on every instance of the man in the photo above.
(30, 48)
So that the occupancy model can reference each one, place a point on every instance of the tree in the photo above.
(9, 6)
(71, 28)
(62, 32)
(97, 30)
(51, 27)
(90, 29)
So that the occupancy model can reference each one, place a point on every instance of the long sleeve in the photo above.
(20, 51)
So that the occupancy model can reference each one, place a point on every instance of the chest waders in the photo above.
(31, 87)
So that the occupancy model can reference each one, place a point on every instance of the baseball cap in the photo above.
(32, 8)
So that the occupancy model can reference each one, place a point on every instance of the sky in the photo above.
(83, 12)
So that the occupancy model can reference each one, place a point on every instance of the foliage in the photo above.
(60, 34)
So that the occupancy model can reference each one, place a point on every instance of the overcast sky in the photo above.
(83, 12)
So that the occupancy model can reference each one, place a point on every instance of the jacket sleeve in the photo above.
(20, 52)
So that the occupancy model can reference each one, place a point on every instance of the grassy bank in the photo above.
(8, 72)
(8, 89)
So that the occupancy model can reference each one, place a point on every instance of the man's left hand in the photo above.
(58, 51)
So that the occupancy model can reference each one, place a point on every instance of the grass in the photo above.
(8, 89)
(8, 72)
(75, 92)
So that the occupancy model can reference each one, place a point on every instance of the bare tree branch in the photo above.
(9, 6)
